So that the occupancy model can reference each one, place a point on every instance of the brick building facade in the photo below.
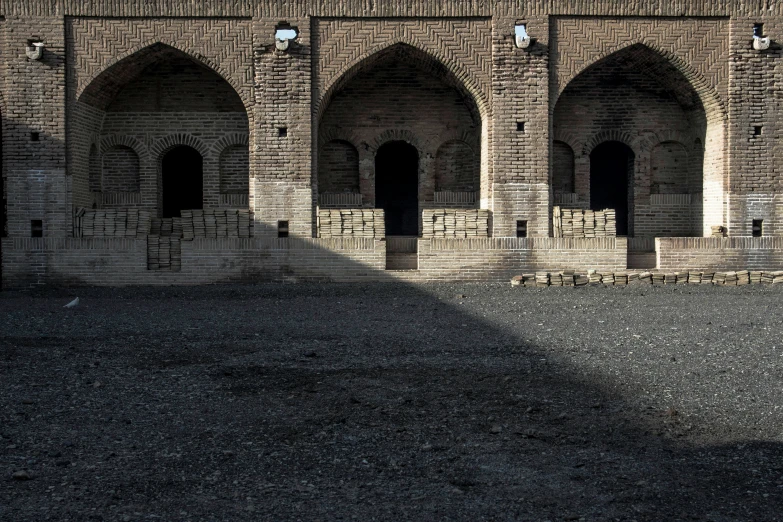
(176, 142)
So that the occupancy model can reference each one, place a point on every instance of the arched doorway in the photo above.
(182, 181)
(611, 168)
(397, 187)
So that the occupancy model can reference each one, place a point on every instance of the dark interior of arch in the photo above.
(182, 181)
(163, 79)
(406, 54)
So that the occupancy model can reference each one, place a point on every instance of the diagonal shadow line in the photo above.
(400, 400)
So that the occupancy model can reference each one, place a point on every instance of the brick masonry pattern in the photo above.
(707, 42)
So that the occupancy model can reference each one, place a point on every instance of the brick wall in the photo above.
(501, 258)
(118, 262)
(708, 253)
(755, 160)
(222, 87)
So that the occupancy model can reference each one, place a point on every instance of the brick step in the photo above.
(402, 261)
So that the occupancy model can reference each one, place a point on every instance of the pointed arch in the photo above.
(99, 89)
(448, 70)
(636, 72)
(165, 144)
(712, 102)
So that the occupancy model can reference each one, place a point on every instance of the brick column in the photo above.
(281, 147)
(520, 98)
(754, 183)
(33, 114)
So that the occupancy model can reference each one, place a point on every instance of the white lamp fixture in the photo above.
(760, 42)
(521, 38)
(284, 33)
(34, 49)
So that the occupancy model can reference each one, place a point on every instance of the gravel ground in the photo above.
(392, 402)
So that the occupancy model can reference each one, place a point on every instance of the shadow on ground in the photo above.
(392, 402)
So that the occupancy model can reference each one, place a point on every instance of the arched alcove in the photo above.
(95, 169)
(670, 164)
(338, 168)
(234, 170)
(638, 92)
(404, 91)
(456, 168)
(120, 171)
(562, 168)
(159, 92)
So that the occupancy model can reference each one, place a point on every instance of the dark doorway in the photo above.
(182, 181)
(397, 187)
(611, 165)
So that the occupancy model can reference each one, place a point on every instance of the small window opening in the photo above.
(35, 136)
(282, 132)
(522, 228)
(36, 228)
(758, 30)
(282, 229)
(520, 126)
(757, 130)
(758, 228)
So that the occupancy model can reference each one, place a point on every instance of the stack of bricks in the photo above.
(164, 253)
(347, 222)
(111, 223)
(214, 223)
(455, 223)
(569, 278)
(568, 222)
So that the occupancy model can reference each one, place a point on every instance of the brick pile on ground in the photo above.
(214, 223)
(592, 277)
(351, 222)
(454, 223)
(576, 222)
(130, 223)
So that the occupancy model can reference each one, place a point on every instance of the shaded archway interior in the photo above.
(400, 94)
(635, 92)
(182, 181)
(159, 93)
(396, 185)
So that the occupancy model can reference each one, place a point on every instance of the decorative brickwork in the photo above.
(675, 90)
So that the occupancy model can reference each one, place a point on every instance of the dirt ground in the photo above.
(392, 402)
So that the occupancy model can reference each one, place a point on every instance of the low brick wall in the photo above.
(716, 253)
(29, 262)
(490, 259)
